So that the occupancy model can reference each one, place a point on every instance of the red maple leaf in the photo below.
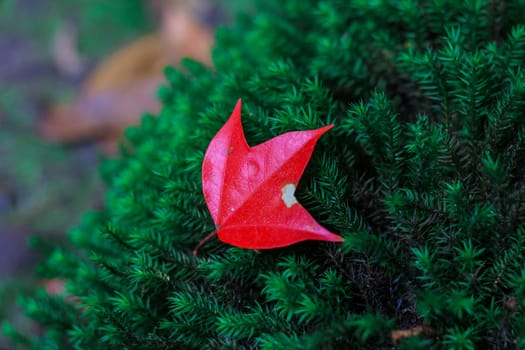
(250, 190)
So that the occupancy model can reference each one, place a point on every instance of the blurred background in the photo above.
(73, 76)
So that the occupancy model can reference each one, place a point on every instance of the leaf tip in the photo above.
(238, 107)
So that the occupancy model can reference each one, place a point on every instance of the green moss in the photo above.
(422, 175)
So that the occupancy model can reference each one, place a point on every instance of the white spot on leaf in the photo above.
(288, 196)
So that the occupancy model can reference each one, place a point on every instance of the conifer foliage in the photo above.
(423, 175)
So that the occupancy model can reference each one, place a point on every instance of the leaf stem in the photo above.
(204, 240)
